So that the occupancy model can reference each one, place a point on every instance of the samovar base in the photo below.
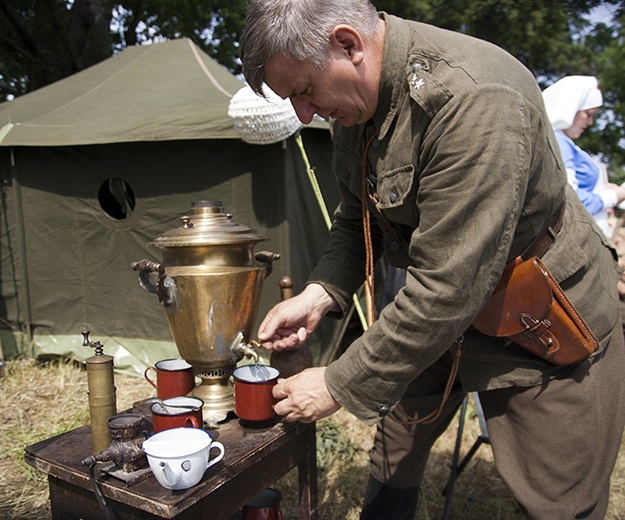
(218, 397)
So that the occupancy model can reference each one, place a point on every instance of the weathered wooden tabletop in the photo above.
(255, 457)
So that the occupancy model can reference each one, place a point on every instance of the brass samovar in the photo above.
(209, 284)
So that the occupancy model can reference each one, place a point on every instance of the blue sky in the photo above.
(603, 13)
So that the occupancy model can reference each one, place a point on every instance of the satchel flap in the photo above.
(523, 289)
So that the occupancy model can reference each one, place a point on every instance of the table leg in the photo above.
(307, 476)
(70, 502)
(61, 497)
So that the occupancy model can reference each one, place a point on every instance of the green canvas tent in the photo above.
(95, 166)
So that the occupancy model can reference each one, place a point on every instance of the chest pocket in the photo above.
(397, 191)
(396, 187)
(346, 167)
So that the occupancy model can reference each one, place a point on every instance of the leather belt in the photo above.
(546, 235)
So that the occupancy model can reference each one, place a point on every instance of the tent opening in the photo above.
(117, 198)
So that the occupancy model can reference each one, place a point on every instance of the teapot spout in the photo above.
(169, 477)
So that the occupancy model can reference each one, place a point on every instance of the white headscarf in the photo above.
(568, 96)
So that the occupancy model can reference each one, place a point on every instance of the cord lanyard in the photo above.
(369, 197)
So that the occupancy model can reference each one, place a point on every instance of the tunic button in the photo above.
(417, 67)
(375, 143)
(384, 410)
(393, 197)
(394, 247)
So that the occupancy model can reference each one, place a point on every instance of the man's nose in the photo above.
(304, 110)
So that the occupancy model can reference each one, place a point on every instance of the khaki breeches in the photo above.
(554, 445)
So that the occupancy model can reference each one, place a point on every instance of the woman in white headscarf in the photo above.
(572, 104)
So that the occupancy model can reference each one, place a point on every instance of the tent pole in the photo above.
(326, 217)
(21, 241)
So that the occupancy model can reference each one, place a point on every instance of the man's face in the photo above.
(337, 91)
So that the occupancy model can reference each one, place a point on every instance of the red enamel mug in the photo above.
(253, 398)
(174, 377)
(177, 412)
(265, 506)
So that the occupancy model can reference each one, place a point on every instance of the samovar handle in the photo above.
(165, 286)
(267, 258)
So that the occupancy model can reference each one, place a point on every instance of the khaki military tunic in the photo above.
(467, 169)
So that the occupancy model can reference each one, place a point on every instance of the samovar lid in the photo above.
(206, 224)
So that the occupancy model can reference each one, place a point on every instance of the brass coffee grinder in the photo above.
(115, 438)
(209, 284)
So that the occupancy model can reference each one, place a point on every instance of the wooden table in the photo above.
(254, 459)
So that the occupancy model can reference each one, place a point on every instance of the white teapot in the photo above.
(179, 457)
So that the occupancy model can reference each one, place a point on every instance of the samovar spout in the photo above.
(241, 349)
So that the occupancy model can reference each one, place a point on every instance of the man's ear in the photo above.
(348, 41)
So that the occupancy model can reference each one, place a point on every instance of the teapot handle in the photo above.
(220, 447)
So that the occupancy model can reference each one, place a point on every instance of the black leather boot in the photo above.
(384, 502)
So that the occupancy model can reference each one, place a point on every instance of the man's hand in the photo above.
(290, 322)
(304, 397)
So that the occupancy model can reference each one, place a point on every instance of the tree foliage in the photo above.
(606, 137)
(215, 26)
(543, 34)
(42, 41)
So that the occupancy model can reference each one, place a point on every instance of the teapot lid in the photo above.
(206, 224)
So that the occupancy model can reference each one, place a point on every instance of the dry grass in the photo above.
(39, 401)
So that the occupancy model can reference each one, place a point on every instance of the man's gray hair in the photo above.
(299, 30)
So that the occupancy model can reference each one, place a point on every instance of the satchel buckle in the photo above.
(534, 327)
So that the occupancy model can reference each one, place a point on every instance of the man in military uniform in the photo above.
(449, 137)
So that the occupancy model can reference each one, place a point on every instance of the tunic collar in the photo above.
(393, 82)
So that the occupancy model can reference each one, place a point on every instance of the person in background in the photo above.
(572, 103)
(448, 165)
